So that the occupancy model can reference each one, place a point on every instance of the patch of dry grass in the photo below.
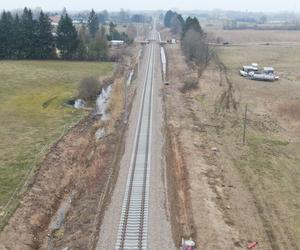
(116, 104)
(269, 166)
(256, 36)
(190, 84)
(290, 110)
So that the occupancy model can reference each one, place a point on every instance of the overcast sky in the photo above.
(253, 5)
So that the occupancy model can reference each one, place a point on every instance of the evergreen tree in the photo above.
(28, 38)
(17, 37)
(181, 20)
(112, 28)
(100, 47)
(174, 21)
(113, 33)
(192, 24)
(28, 33)
(67, 38)
(93, 24)
(83, 43)
(44, 38)
(6, 35)
(176, 25)
(168, 17)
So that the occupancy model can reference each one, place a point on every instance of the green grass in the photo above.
(32, 114)
(271, 169)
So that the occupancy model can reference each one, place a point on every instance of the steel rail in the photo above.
(133, 226)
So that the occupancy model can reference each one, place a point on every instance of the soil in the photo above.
(202, 176)
(77, 164)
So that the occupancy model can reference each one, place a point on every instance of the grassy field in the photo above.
(257, 36)
(32, 114)
(270, 163)
(253, 192)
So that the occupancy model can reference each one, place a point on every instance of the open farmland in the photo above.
(239, 193)
(32, 115)
(257, 36)
(269, 164)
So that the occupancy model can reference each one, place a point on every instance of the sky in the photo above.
(242, 5)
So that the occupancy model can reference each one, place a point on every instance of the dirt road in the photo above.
(159, 231)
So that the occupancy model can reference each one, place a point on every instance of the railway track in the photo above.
(133, 226)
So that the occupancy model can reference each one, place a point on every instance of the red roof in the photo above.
(55, 19)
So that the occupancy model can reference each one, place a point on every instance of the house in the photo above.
(55, 20)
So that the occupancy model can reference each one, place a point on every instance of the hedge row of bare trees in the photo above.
(195, 45)
(194, 41)
(197, 50)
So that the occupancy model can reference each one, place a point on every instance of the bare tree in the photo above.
(197, 50)
(189, 84)
(132, 32)
(88, 88)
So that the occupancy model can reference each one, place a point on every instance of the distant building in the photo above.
(116, 42)
(55, 20)
(79, 21)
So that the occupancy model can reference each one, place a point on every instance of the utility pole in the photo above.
(245, 124)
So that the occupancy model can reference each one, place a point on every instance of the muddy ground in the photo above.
(228, 194)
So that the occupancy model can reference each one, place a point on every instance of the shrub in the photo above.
(189, 84)
(88, 88)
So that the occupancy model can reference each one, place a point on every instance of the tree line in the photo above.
(22, 37)
(193, 39)
(25, 37)
(174, 21)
